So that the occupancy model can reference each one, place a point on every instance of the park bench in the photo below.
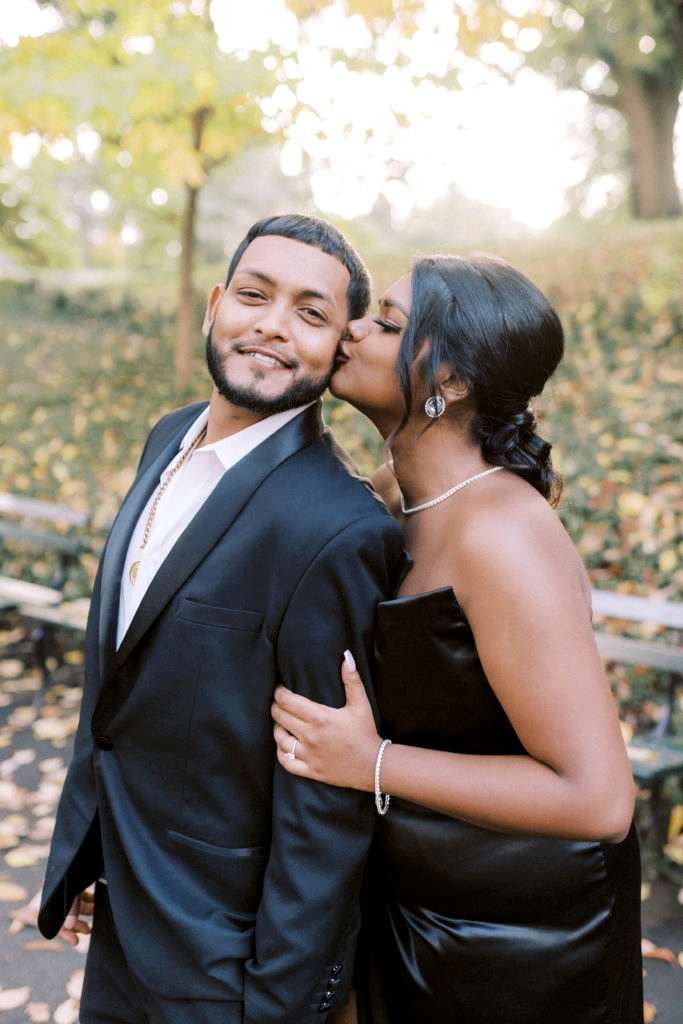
(43, 527)
(655, 755)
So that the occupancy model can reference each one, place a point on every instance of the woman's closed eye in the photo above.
(387, 325)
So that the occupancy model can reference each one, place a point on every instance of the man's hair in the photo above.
(321, 235)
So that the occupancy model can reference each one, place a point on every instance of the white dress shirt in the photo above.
(184, 496)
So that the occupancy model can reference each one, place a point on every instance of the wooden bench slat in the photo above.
(13, 592)
(69, 614)
(33, 508)
(640, 652)
(655, 757)
(55, 541)
(638, 609)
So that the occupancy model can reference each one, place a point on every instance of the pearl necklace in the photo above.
(448, 494)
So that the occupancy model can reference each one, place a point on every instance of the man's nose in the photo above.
(272, 322)
(359, 329)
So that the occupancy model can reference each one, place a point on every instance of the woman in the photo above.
(504, 884)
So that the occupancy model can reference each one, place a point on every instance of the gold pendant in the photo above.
(133, 572)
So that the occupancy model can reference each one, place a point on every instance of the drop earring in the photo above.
(435, 406)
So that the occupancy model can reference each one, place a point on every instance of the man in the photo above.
(245, 554)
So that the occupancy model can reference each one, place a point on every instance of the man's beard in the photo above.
(301, 392)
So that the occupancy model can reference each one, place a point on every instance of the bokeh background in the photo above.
(138, 141)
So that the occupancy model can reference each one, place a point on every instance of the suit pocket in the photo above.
(213, 615)
(237, 852)
(224, 878)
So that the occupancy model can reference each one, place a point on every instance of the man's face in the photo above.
(273, 332)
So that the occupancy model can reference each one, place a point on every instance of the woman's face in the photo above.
(366, 374)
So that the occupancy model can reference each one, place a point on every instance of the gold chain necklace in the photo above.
(135, 567)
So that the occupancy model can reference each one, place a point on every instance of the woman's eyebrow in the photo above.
(397, 305)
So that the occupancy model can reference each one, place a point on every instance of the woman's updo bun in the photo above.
(501, 337)
(515, 444)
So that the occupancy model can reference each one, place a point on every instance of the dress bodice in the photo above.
(431, 687)
(464, 923)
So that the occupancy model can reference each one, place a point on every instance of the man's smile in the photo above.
(265, 356)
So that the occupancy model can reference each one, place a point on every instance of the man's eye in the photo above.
(249, 293)
(387, 325)
(315, 313)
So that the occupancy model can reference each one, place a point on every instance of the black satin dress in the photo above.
(463, 925)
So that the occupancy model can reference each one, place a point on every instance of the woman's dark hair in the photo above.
(502, 339)
(321, 235)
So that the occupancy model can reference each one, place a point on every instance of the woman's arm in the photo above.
(528, 611)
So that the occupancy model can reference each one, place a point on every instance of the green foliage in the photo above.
(142, 76)
(618, 34)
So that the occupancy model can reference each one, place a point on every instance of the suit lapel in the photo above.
(114, 554)
(215, 516)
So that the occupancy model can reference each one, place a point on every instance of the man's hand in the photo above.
(74, 925)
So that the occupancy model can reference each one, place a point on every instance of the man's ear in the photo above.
(215, 296)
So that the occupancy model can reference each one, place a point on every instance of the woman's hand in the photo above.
(333, 745)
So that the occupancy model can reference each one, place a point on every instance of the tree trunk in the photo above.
(185, 326)
(650, 107)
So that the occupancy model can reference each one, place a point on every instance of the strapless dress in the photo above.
(464, 925)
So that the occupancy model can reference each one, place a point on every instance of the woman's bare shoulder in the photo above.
(517, 532)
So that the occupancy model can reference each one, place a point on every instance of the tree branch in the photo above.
(613, 102)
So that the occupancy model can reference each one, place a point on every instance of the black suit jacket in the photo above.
(228, 878)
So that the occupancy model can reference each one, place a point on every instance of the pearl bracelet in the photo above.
(382, 800)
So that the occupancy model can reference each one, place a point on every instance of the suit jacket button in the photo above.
(103, 742)
(336, 969)
(324, 1007)
(329, 996)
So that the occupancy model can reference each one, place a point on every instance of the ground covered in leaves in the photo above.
(39, 980)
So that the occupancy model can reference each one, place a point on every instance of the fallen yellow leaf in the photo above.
(45, 946)
(75, 984)
(26, 856)
(38, 1013)
(11, 998)
(21, 717)
(631, 503)
(66, 1012)
(653, 952)
(54, 728)
(12, 893)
